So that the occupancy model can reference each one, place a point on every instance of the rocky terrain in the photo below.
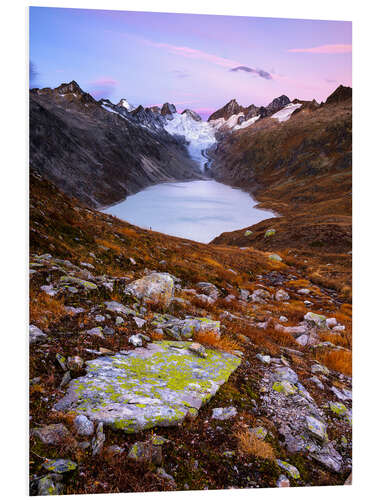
(158, 363)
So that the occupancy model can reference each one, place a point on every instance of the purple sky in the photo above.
(194, 61)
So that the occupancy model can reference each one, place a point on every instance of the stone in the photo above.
(343, 394)
(163, 474)
(338, 409)
(83, 426)
(96, 332)
(156, 289)
(317, 382)
(74, 310)
(36, 335)
(146, 452)
(224, 413)
(316, 428)
(303, 340)
(119, 320)
(264, 358)
(136, 340)
(209, 289)
(98, 440)
(315, 319)
(51, 434)
(275, 257)
(282, 482)
(99, 318)
(139, 321)
(317, 368)
(108, 331)
(281, 295)
(286, 373)
(154, 386)
(283, 319)
(244, 294)
(198, 349)
(338, 328)
(74, 363)
(86, 285)
(260, 296)
(331, 322)
(260, 432)
(248, 233)
(50, 485)
(292, 471)
(116, 307)
(65, 379)
(329, 457)
(284, 387)
(59, 465)
(61, 361)
(269, 232)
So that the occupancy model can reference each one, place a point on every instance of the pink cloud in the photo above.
(104, 81)
(326, 49)
(190, 53)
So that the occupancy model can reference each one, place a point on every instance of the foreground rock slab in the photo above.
(146, 387)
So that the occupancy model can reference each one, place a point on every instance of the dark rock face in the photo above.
(277, 104)
(192, 115)
(101, 154)
(339, 95)
(231, 108)
(168, 109)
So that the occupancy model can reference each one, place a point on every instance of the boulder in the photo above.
(83, 426)
(314, 319)
(224, 413)
(52, 434)
(156, 289)
(155, 386)
(36, 335)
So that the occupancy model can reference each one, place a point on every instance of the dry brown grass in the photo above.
(45, 310)
(250, 445)
(340, 361)
(210, 339)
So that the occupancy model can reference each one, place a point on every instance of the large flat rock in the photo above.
(146, 387)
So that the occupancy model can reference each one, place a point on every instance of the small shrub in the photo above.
(250, 445)
(210, 339)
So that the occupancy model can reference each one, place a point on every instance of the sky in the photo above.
(194, 61)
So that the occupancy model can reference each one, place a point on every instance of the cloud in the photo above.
(259, 72)
(326, 49)
(102, 87)
(330, 81)
(190, 53)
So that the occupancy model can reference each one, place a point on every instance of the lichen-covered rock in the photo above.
(338, 409)
(36, 335)
(292, 471)
(286, 373)
(59, 465)
(264, 358)
(269, 232)
(116, 307)
(50, 485)
(275, 257)
(224, 413)
(316, 319)
(156, 289)
(98, 440)
(51, 434)
(316, 428)
(260, 432)
(248, 233)
(146, 387)
(86, 285)
(285, 387)
(317, 368)
(208, 289)
(97, 331)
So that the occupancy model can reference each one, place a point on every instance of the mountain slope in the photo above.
(96, 154)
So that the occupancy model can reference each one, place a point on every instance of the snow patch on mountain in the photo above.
(247, 123)
(285, 113)
(125, 104)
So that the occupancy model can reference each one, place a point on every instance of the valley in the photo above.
(218, 357)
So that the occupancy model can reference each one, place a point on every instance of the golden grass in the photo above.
(210, 339)
(250, 445)
(340, 361)
(45, 310)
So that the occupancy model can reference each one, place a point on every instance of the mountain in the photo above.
(301, 169)
(99, 152)
(341, 94)
(231, 108)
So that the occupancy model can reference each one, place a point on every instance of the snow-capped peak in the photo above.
(125, 104)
